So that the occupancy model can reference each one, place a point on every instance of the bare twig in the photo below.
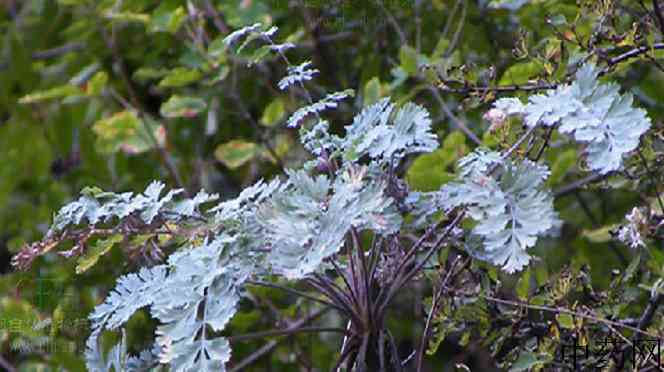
(283, 332)
(458, 123)
(272, 344)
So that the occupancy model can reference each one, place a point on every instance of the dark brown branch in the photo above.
(296, 293)
(572, 187)
(467, 89)
(654, 302)
(658, 15)
(272, 344)
(283, 332)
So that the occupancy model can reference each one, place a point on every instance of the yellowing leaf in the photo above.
(565, 320)
(95, 252)
(178, 106)
(235, 153)
(125, 131)
(61, 91)
(127, 17)
(600, 235)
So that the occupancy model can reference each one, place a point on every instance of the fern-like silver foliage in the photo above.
(96, 206)
(298, 74)
(307, 221)
(286, 228)
(509, 203)
(383, 134)
(593, 113)
(328, 102)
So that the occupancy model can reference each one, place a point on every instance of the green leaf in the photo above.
(166, 19)
(61, 91)
(563, 163)
(97, 83)
(429, 171)
(180, 77)
(93, 254)
(273, 113)
(124, 131)
(523, 285)
(631, 269)
(599, 235)
(236, 153)
(371, 91)
(408, 59)
(520, 73)
(148, 73)
(128, 17)
(565, 320)
(179, 106)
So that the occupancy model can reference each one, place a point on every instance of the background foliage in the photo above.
(118, 93)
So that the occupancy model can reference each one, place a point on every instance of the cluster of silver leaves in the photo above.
(290, 227)
(593, 113)
(508, 201)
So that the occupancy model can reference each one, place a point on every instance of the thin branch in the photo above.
(653, 181)
(572, 187)
(296, 293)
(467, 89)
(631, 54)
(658, 15)
(272, 344)
(653, 303)
(560, 310)
(283, 332)
(4, 363)
(434, 308)
(453, 118)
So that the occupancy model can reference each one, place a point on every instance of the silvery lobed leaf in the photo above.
(510, 206)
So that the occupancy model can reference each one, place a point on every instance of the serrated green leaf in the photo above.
(236, 153)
